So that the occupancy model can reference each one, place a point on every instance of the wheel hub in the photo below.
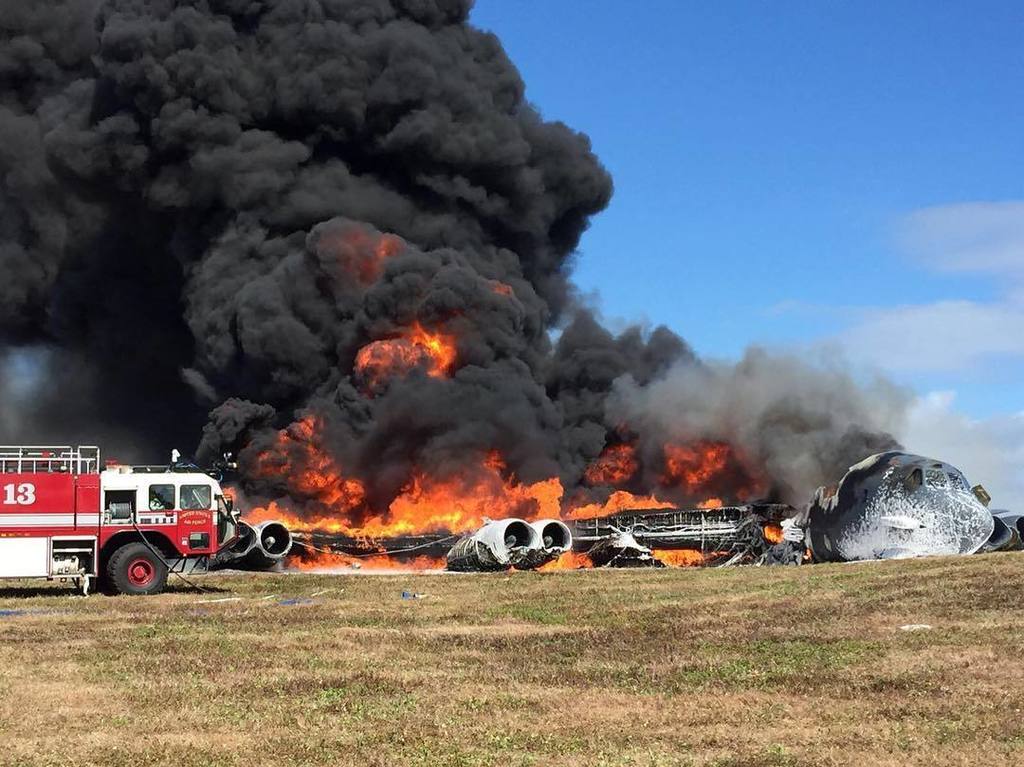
(141, 572)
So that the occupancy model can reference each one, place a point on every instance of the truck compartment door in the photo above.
(24, 557)
(87, 503)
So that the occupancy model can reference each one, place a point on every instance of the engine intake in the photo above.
(245, 541)
(498, 545)
(554, 535)
(272, 544)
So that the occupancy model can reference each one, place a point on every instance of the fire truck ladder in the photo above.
(35, 459)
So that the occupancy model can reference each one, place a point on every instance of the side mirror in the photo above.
(982, 495)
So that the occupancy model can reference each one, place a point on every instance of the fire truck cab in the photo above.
(63, 515)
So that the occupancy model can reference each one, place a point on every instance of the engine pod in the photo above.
(498, 545)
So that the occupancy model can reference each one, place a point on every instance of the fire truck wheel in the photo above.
(134, 569)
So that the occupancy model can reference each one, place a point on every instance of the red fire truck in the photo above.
(63, 515)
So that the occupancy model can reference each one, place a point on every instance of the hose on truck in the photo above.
(159, 556)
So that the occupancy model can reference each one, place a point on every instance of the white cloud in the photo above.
(990, 451)
(953, 335)
(980, 237)
(937, 337)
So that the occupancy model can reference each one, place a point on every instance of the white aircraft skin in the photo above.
(896, 505)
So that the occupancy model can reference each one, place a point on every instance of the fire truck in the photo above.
(65, 516)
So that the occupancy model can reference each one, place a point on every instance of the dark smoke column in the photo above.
(188, 189)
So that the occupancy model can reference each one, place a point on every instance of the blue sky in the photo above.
(816, 175)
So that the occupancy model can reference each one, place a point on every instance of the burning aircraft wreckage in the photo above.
(351, 245)
(892, 505)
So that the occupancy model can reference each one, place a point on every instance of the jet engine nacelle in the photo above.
(258, 547)
(1009, 532)
(243, 544)
(498, 545)
(554, 535)
(273, 542)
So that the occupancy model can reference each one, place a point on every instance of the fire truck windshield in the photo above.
(196, 497)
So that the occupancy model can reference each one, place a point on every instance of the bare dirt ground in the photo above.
(784, 666)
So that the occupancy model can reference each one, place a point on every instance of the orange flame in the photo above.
(426, 504)
(501, 288)
(310, 471)
(324, 560)
(429, 504)
(707, 467)
(434, 353)
(680, 557)
(361, 254)
(693, 466)
(333, 502)
(275, 512)
(687, 557)
(570, 560)
(620, 500)
(616, 465)
(773, 533)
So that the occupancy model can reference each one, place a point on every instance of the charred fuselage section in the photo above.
(897, 505)
(729, 535)
(621, 549)
(726, 535)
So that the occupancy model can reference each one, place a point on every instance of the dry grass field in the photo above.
(794, 666)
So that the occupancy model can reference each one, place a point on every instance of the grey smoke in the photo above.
(804, 423)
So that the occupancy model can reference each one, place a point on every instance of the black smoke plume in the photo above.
(212, 209)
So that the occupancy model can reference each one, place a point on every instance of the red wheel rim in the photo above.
(141, 572)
